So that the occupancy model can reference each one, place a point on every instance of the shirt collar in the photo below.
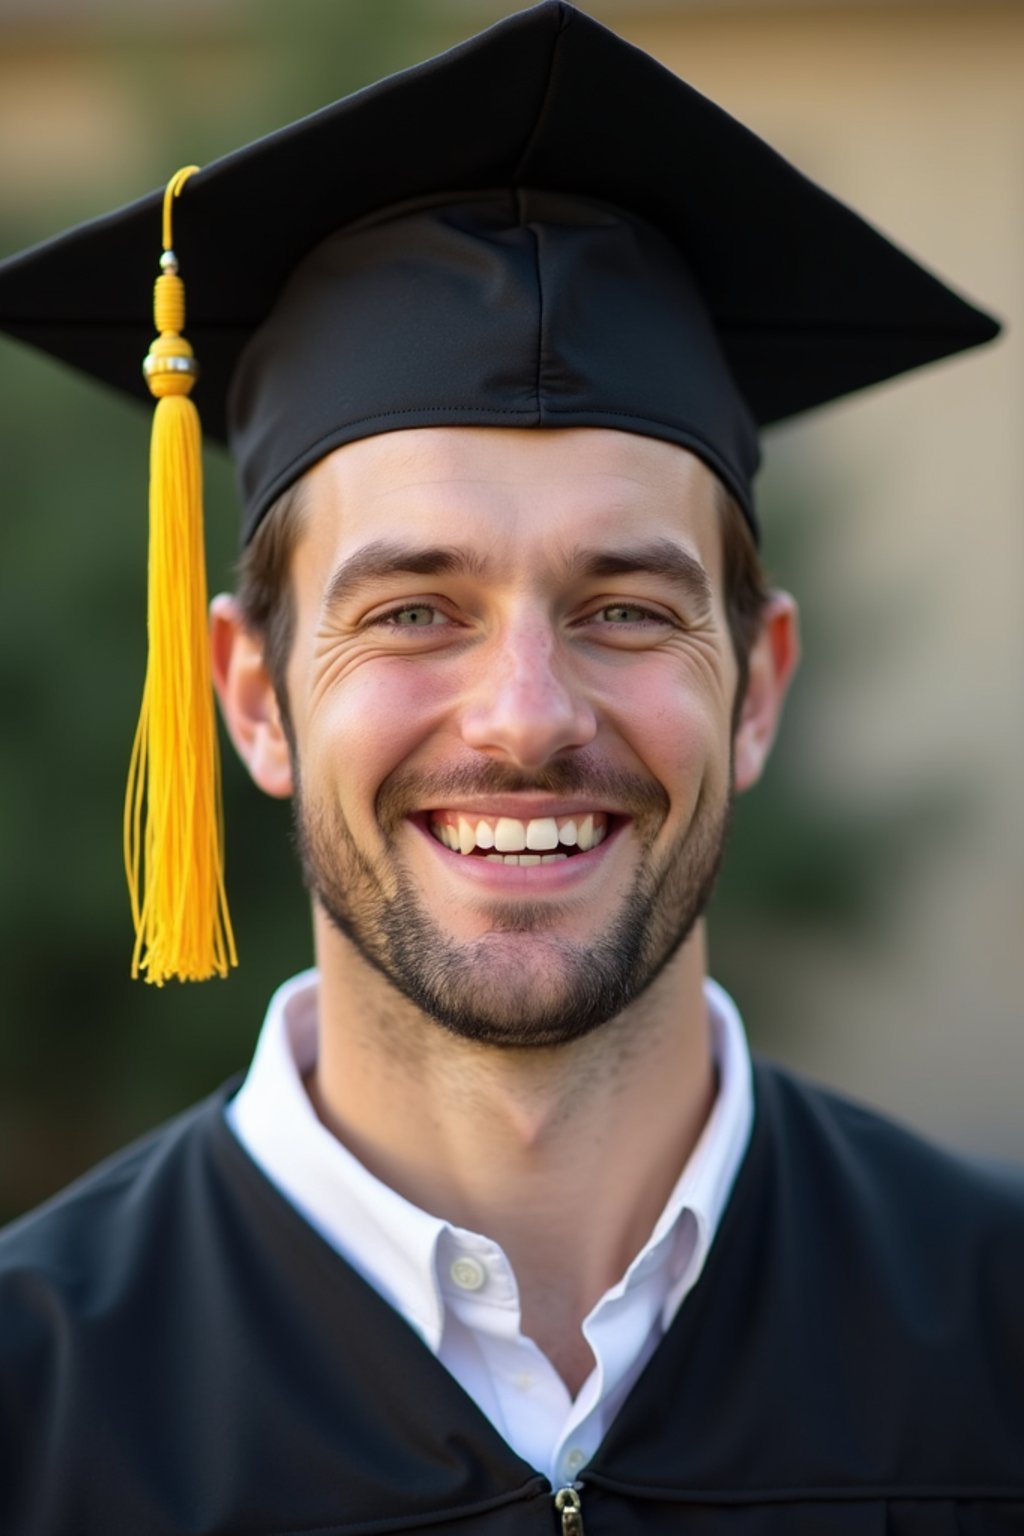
(710, 1172)
(387, 1239)
(394, 1244)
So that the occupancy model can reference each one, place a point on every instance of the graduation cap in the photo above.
(541, 227)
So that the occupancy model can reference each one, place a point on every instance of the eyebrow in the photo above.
(660, 557)
(383, 558)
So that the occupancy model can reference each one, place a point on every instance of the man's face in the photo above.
(511, 690)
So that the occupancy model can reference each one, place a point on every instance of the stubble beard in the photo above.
(494, 990)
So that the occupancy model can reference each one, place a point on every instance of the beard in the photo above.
(520, 984)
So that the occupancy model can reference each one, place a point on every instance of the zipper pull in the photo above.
(567, 1502)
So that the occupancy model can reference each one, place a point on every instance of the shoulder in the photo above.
(97, 1287)
(840, 1150)
(63, 1239)
(855, 1341)
(858, 1323)
(69, 1266)
(922, 1247)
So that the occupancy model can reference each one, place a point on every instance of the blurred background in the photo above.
(870, 920)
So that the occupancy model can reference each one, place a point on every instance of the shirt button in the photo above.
(523, 1381)
(468, 1274)
(574, 1460)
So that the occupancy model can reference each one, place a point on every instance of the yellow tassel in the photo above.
(173, 820)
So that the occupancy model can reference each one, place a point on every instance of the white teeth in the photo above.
(529, 858)
(484, 835)
(553, 858)
(509, 835)
(542, 833)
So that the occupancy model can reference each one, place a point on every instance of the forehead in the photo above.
(519, 499)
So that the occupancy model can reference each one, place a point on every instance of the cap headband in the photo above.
(509, 308)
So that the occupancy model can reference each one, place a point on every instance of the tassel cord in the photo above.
(173, 815)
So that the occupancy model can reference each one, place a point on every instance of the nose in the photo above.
(525, 705)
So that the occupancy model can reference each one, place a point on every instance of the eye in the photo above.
(411, 616)
(625, 615)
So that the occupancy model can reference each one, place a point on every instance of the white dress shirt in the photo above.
(456, 1288)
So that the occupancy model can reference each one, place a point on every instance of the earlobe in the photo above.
(773, 659)
(247, 699)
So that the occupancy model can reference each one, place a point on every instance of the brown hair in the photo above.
(745, 582)
(268, 603)
(264, 587)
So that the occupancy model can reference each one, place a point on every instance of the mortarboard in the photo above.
(541, 227)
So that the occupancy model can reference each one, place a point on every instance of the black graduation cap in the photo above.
(542, 226)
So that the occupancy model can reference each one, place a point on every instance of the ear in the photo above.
(773, 659)
(247, 699)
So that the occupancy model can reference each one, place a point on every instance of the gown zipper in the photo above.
(567, 1503)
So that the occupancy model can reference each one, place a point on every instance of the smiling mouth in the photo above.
(507, 840)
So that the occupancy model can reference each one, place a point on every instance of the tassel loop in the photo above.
(173, 821)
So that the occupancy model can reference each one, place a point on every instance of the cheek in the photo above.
(371, 722)
(678, 729)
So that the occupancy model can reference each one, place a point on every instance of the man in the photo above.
(502, 1231)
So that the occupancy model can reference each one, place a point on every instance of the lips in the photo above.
(509, 840)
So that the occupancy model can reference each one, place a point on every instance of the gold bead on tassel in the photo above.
(173, 821)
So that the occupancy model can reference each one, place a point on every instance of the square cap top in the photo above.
(545, 194)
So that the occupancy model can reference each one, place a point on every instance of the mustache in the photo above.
(634, 794)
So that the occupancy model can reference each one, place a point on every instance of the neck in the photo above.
(565, 1156)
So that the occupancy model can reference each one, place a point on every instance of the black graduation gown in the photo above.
(181, 1353)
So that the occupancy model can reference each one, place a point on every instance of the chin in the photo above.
(522, 984)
